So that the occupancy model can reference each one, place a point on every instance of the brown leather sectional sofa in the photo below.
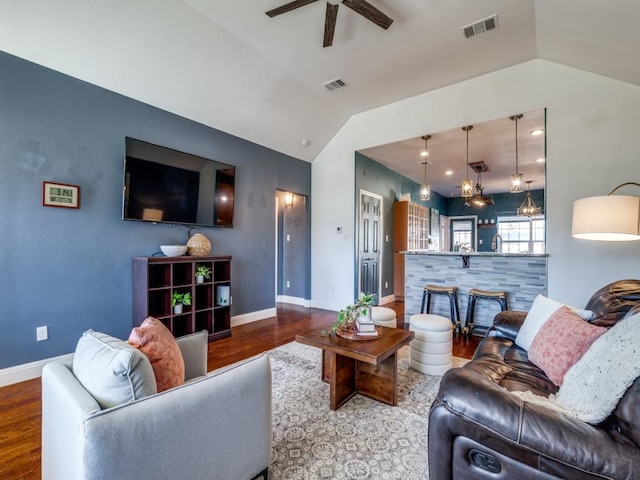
(478, 430)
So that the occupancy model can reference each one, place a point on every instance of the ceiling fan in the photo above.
(362, 7)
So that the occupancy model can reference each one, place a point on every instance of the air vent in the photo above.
(334, 84)
(481, 26)
(479, 167)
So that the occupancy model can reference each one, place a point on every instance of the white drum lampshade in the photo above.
(607, 218)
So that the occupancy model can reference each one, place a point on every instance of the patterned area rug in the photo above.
(364, 439)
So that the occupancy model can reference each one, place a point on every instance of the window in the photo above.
(522, 234)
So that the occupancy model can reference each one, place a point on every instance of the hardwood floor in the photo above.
(20, 406)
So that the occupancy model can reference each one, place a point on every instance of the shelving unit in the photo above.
(410, 227)
(156, 278)
(410, 232)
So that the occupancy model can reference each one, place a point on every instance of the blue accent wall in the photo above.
(71, 269)
(376, 178)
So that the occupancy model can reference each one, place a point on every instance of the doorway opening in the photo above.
(293, 249)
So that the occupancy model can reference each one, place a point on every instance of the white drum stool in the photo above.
(384, 316)
(430, 350)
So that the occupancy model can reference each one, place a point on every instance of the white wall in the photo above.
(592, 146)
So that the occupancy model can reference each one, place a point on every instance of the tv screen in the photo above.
(162, 185)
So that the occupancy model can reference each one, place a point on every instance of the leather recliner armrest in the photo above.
(479, 409)
(507, 324)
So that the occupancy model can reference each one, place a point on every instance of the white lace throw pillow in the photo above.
(593, 387)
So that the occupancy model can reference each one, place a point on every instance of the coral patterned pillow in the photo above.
(561, 342)
(158, 344)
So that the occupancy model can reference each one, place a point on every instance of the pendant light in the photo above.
(528, 207)
(516, 178)
(479, 199)
(425, 189)
(467, 183)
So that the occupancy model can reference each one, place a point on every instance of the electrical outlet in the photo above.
(288, 284)
(42, 333)
(386, 284)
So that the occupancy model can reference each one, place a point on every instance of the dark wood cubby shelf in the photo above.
(156, 278)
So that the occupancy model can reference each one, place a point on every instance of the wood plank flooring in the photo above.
(20, 406)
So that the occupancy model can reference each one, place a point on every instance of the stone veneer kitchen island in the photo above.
(523, 276)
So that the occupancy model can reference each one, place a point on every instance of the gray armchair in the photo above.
(215, 426)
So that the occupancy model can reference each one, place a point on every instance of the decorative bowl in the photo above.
(173, 250)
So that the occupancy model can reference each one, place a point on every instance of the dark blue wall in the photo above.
(376, 178)
(71, 269)
(504, 204)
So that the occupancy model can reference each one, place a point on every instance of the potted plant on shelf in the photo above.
(347, 317)
(202, 272)
(179, 299)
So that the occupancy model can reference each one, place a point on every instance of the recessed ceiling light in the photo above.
(306, 142)
(536, 132)
(541, 160)
(449, 172)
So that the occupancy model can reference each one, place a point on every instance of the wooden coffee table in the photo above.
(367, 367)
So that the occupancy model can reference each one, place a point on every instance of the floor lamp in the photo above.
(613, 218)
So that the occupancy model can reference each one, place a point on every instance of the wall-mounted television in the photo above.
(162, 185)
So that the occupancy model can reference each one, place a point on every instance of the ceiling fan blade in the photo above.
(287, 7)
(330, 24)
(369, 12)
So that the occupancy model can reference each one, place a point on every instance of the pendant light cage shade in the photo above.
(614, 218)
(516, 178)
(466, 188)
(425, 188)
(425, 192)
(516, 183)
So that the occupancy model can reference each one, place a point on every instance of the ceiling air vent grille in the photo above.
(481, 26)
(334, 84)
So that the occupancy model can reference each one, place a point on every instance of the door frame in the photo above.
(474, 221)
(357, 242)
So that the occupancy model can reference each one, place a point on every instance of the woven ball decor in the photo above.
(198, 245)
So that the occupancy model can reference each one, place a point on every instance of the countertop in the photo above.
(473, 254)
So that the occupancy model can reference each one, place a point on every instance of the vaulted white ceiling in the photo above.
(226, 64)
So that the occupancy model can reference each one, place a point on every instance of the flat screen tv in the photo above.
(162, 185)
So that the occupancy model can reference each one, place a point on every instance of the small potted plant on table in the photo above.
(202, 272)
(345, 325)
(179, 299)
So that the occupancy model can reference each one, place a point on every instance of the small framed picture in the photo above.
(60, 195)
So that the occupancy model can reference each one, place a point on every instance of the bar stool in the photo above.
(452, 293)
(475, 294)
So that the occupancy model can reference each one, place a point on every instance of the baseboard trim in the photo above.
(28, 371)
(253, 316)
(294, 301)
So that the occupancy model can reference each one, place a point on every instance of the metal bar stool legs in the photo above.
(452, 293)
(475, 294)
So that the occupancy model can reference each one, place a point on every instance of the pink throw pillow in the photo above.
(561, 342)
(159, 345)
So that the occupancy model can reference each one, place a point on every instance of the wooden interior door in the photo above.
(369, 244)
